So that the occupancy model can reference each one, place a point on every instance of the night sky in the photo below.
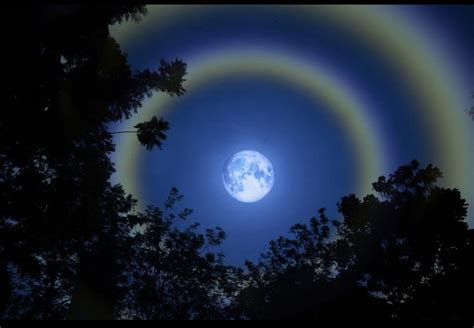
(333, 96)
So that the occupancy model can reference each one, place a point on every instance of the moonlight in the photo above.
(248, 176)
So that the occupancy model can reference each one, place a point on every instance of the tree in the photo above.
(403, 252)
(296, 279)
(150, 133)
(407, 242)
(170, 273)
(57, 207)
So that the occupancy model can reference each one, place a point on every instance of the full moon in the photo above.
(248, 176)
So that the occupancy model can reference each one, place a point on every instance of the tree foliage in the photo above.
(171, 274)
(404, 252)
(59, 215)
(151, 133)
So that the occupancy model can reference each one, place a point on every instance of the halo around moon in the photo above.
(248, 176)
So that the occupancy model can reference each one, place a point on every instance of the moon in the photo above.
(248, 176)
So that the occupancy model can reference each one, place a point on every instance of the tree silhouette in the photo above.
(171, 274)
(151, 133)
(297, 279)
(408, 241)
(58, 211)
(161, 271)
(405, 252)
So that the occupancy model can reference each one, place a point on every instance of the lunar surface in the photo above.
(248, 176)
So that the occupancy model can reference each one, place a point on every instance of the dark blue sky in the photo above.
(311, 154)
(271, 118)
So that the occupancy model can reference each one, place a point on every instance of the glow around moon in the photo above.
(248, 176)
